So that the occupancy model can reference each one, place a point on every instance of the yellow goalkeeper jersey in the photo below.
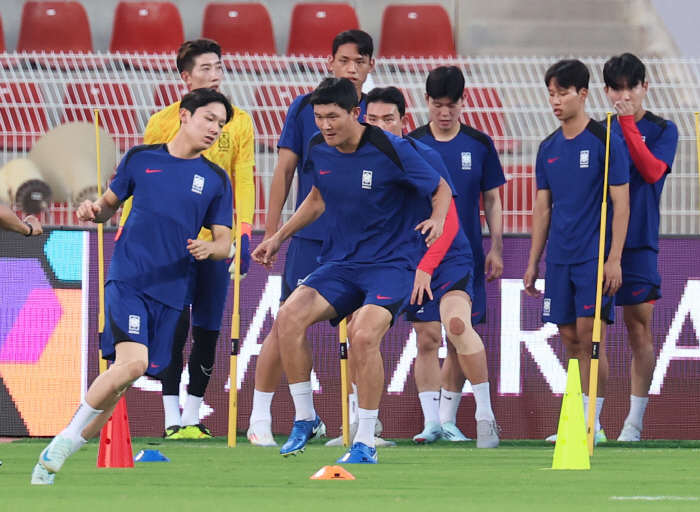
(234, 152)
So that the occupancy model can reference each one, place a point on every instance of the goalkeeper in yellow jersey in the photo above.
(199, 64)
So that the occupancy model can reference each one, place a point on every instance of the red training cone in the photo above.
(115, 440)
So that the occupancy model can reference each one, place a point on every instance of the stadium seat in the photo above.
(54, 27)
(147, 27)
(23, 117)
(116, 104)
(483, 110)
(260, 206)
(315, 25)
(240, 28)
(271, 105)
(411, 122)
(416, 31)
(166, 94)
(518, 198)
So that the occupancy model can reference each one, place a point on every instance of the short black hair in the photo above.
(389, 95)
(567, 73)
(202, 97)
(365, 45)
(339, 91)
(445, 81)
(190, 50)
(624, 70)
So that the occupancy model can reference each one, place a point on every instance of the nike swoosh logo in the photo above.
(447, 397)
(446, 285)
(45, 457)
(552, 160)
(325, 172)
(155, 365)
(315, 429)
(206, 371)
(589, 307)
(638, 292)
(381, 297)
(436, 399)
(477, 313)
(149, 171)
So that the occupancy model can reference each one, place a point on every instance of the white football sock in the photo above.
(638, 404)
(430, 403)
(352, 403)
(303, 397)
(171, 408)
(81, 419)
(262, 403)
(449, 402)
(482, 396)
(598, 407)
(365, 430)
(190, 413)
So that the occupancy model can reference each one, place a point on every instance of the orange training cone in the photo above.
(332, 473)
(115, 440)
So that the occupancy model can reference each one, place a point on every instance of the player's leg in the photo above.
(427, 375)
(170, 378)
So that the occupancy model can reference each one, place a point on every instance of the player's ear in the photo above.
(330, 62)
(355, 113)
(404, 124)
(371, 65)
(187, 78)
(645, 86)
(583, 93)
(184, 115)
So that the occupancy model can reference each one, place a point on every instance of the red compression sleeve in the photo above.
(437, 251)
(650, 167)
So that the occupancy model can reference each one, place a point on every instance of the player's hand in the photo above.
(493, 266)
(434, 229)
(245, 257)
(529, 280)
(265, 254)
(612, 277)
(36, 225)
(87, 210)
(421, 286)
(200, 249)
(624, 108)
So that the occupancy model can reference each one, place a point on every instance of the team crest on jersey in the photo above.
(224, 141)
(134, 324)
(466, 161)
(367, 179)
(583, 159)
(198, 184)
(547, 307)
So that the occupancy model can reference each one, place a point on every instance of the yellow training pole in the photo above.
(595, 351)
(343, 334)
(100, 249)
(697, 140)
(235, 337)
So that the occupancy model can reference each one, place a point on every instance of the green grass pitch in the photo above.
(208, 476)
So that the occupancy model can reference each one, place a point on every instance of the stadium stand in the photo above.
(483, 110)
(314, 25)
(54, 27)
(243, 28)
(166, 94)
(23, 117)
(416, 31)
(271, 104)
(146, 27)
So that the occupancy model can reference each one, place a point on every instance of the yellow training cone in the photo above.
(571, 450)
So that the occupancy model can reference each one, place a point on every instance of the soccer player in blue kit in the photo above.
(446, 271)
(651, 142)
(473, 164)
(351, 59)
(362, 177)
(570, 170)
(176, 191)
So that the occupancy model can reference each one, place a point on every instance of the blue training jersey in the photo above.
(172, 199)
(299, 128)
(573, 171)
(422, 206)
(365, 196)
(473, 164)
(661, 137)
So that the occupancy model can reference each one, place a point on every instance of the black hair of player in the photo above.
(389, 95)
(624, 70)
(365, 45)
(568, 73)
(445, 81)
(198, 98)
(190, 50)
(338, 91)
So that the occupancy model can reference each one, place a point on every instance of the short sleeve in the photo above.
(435, 161)
(619, 164)
(123, 183)
(664, 148)
(220, 210)
(492, 175)
(540, 174)
(417, 172)
(292, 136)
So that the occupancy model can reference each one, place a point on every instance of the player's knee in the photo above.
(364, 342)
(288, 319)
(457, 326)
(427, 344)
(136, 369)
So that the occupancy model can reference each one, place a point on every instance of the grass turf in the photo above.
(207, 476)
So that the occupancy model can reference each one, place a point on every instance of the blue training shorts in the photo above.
(302, 260)
(348, 287)
(132, 316)
(447, 277)
(207, 291)
(570, 292)
(641, 281)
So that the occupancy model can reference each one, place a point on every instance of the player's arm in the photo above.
(310, 210)
(442, 198)
(620, 197)
(101, 210)
(216, 249)
(10, 222)
(287, 161)
(493, 210)
(541, 217)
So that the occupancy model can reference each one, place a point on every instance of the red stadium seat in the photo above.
(147, 27)
(116, 109)
(416, 31)
(315, 25)
(483, 110)
(240, 28)
(167, 94)
(518, 198)
(260, 207)
(411, 122)
(23, 117)
(54, 27)
(271, 105)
